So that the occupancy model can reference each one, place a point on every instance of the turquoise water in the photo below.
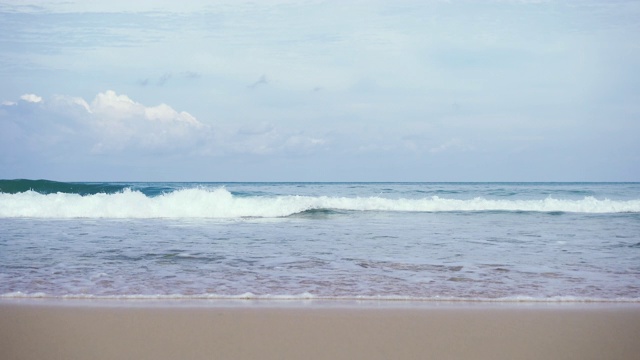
(425, 241)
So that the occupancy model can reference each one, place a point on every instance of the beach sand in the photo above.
(130, 330)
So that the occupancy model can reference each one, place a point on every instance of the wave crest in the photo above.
(220, 203)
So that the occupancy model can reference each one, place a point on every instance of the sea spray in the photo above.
(220, 203)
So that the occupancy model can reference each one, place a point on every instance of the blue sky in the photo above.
(280, 90)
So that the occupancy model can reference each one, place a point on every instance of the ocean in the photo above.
(524, 242)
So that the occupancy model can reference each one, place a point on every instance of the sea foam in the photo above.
(220, 203)
(248, 296)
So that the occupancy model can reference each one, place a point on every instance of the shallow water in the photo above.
(347, 240)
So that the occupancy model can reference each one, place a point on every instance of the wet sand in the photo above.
(272, 330)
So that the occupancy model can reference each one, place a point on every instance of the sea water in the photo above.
(383, 241)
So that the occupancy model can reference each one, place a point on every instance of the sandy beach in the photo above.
(272, 330)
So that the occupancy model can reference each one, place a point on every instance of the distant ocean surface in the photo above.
(366, 241)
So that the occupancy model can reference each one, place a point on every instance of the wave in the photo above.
(51, 187)
(220, 203)
(311, 297)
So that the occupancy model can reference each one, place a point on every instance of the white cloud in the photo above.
(71, 101)
(122, 123)
(112, 107)
(304, 142)
(164, 113)
(116, 106)
(31, 98)
(452, 144)
(114, 124)
(111, 123)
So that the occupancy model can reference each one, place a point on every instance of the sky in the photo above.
(280, 90)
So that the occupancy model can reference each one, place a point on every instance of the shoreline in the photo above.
(290, 302)
(142, 329)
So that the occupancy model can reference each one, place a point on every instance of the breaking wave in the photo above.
(220, 203)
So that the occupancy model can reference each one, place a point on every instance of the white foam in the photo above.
(308, 296)
(220, 203)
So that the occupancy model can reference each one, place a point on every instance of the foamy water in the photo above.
(489, 242)
(220, 203)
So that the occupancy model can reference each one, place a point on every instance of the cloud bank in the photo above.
(113, 127)
(110, 123)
